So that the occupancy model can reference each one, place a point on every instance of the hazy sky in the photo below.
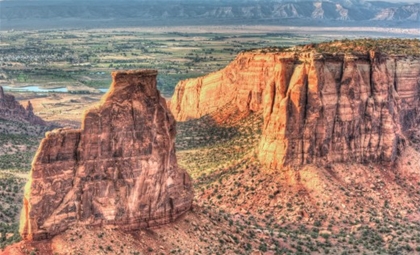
(401, 1)
(394, 1)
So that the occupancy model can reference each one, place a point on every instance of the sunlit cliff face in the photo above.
(119, 169)
(317, 108)
(24, 216)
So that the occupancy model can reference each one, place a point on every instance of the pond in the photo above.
(34, 88)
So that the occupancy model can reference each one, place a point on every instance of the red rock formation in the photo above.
(10, 109)
(119, 169)
(316, 107)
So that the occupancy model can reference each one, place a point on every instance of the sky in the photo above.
(403, 1)
(394, 1)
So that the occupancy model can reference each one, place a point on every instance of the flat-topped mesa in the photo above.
(317, 107)
(119, 169)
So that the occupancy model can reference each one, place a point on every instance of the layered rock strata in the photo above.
(10, 109)
(118, 170)
(317, 108)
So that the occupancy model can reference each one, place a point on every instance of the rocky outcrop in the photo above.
(10, 109)
(317, 108)
(118, 170)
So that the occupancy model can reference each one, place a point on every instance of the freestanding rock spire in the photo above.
(29, 107)
(1, 92)
(119, 169)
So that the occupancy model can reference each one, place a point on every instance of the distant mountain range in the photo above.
(45, 14)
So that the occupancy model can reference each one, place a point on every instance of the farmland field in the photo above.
(81, 60)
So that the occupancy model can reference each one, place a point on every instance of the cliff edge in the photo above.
(317, 107)
(118, 170)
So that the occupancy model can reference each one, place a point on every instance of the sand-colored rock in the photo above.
(10, 109)
(317, 108)
(118, 170)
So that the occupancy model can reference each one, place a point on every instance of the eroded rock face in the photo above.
(10, 109)
(119, 169)
(317, 108)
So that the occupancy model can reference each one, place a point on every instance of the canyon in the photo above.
(311, 149)
(118, 170)
(317, 107)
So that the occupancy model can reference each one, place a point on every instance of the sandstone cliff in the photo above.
(118, 170)
(317, 107)
(10, 109)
